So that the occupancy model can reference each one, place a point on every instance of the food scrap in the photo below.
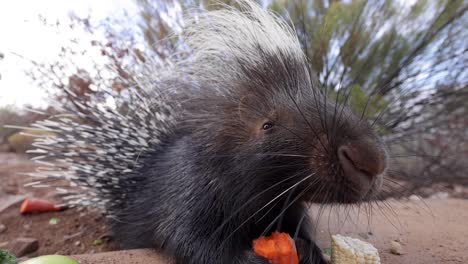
(279, 248)
(33, 205)
(348, 250)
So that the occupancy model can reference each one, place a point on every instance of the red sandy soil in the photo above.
(430, 231)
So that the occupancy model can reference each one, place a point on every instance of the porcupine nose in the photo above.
(362, 162)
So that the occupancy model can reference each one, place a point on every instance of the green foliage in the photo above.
(418, 8)
(369, 44)
(7, 258)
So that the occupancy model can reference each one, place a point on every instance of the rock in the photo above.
(414, 198)
(77, 243)
(440, 195)
(364, 235)
(3, 228)
(23, 246)
(396, 248)
(458, 188)
(106, 238)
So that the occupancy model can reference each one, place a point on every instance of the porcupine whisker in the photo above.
(368, 212)
(340, 105)
(382, 211)
(335, 121)
(269, 210)
(314, 92)
(392, 212)
(263, 207)
(286, 203)
(392, 181)
(306, 120)
(295, 134)
(420, 204)
(322, 188)
(272, 167)
(251, 200)
(346, 209)
(286, 208)
(285, 155)
(299, 224)
(343, 105)
(268, 154)
(280, 221)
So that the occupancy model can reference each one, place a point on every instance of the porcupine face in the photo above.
(289, 130)
(269, 117)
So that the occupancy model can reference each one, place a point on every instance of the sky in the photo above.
(23, 37)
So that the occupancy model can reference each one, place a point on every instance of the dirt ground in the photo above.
(430, 230)
(76, 232)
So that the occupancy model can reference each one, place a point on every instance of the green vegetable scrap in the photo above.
(51, 259)
(54, 221)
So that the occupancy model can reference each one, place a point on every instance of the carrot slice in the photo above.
(279, 248)
(33, 205)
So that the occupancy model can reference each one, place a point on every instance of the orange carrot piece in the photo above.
(279, 248)
(33, 205)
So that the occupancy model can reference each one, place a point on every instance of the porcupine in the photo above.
(229, 146)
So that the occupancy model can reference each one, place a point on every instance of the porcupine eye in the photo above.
(267, 126)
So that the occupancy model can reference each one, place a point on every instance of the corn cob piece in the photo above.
(348, 250)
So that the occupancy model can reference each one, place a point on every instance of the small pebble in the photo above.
(458, 189)
(106, 237)
(48, 242)
(98, 242)
(3, 228)
(414, 198)
(77, 243)
(440, 195)
(396, 248)
(364, 235)
(24, 245)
